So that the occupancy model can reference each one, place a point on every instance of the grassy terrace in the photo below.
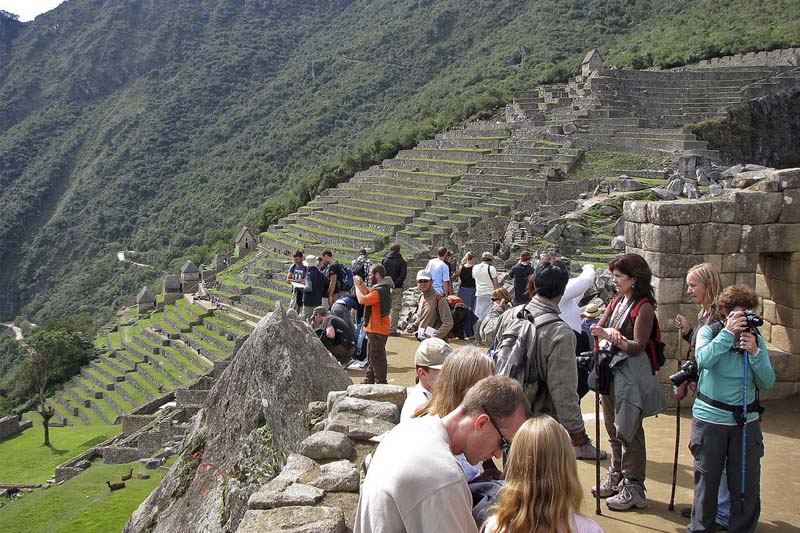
(142, 382)
(207, 348)
(235, 330)
(344, 227)
(448, 161)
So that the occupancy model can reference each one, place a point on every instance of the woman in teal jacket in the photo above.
(717, 425)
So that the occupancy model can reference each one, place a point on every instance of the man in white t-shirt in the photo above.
(414, 482)
(486, 281)
(428, 361)
(440, 272)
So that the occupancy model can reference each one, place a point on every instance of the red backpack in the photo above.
(654, 347)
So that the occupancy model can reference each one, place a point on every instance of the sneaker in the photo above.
(631, 495)
(360, 364)
(588, 451)
(610, 484)
(348, 362)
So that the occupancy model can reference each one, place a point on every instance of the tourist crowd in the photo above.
(520, 400)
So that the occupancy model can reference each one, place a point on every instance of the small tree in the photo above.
(56, 354)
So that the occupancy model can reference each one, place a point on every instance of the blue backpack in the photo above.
(347, 280)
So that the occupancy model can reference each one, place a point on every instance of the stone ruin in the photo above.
(251, 420)
(751, 233)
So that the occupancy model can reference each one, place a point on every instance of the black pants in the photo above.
(582, 344)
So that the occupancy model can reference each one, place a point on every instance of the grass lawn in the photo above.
(23, 459)
(82, 504)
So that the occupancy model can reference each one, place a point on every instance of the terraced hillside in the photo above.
(148, 359)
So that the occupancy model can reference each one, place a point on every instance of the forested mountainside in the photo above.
(161, 125)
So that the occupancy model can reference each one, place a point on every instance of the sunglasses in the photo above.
(423, 281)
(505, 445)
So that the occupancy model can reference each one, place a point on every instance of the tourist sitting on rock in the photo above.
(414, 482)
(542, 490)
(428, 360)
(336, 335)
(463, 368)
(434, 318)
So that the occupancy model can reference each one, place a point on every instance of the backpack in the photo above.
(654, 347)
(510, 352)
(347, 283)
(360, 267)
(459, 311)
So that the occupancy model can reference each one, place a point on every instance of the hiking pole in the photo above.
(671, 505)
(745, 360)
(597, 434)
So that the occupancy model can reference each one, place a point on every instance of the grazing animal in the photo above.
(11, 492)
(126, 477)
(115, 486)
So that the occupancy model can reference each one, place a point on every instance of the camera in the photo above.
(687, 372)
(753, 321)
(585, 360)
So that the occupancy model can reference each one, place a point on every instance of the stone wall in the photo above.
(772, 58)
(752, 236)
(11, 425)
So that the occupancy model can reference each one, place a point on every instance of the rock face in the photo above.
(251, 420)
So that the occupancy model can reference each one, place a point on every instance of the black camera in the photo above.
(753, 321)
(688, 372)
(585, 360)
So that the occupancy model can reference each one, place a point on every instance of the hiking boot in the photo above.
(588, 451)
(630, 496)
(346, 364)
(610, 484)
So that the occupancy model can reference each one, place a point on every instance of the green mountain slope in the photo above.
(146, 125)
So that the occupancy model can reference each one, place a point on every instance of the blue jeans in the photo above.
(468, 295)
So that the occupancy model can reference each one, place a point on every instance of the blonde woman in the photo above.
(542, 492)
(461, 370)
(704, 285)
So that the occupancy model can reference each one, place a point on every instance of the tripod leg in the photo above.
(597, 447)
(677, 447)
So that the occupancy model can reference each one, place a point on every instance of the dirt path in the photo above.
(15, 329)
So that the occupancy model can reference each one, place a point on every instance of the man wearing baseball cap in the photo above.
(428, 361)
(432, 311)
(336, 335)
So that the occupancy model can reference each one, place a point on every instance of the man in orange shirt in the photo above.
(377, 301)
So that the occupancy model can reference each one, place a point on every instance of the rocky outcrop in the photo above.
(252, 419)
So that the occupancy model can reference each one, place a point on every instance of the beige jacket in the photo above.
(433, 315)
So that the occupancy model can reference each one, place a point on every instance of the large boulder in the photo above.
(251, 420)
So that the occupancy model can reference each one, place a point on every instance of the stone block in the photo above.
(745, 278)
(295, 519)
(335, 397)
(666, 316)
(785, 339)
(723, 211)
(382, 393)
(664, 239)
(317, 408)
(368, 409)
(771, 238)
(779, 266)
(281, 493)
(752, 207)
(327, 445)
(790, 214)
(768, 309)
(781, 390)
(786, 365)
(789, 178)
(786, 294)
(786, 316)
(766, 332)
(635, 211)
(739, 262)
(670, 265)
(298, 469)
(679, 212)
(357, 427)
(669, 290)
(338, 476)
(710, 238)
(632, 232)
(715, 260)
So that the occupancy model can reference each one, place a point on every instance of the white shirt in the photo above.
(576, 287)
(414, 484)
(484, 273)
(577, 522)
(415, 397)
(440, 272)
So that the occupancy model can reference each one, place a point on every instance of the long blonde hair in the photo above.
(542, 489)
(461, 370)
(707, 274)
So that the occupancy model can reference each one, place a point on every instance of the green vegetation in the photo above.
(82, 504)
(607, 163)
(23, 458)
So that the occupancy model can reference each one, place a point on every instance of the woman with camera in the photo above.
(732, 362)
(634, 392)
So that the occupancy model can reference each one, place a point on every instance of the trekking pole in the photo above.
(671, 506)
(745, 357)
(597, 434)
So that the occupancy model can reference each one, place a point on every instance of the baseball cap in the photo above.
(320, 311)
(424, 274)
(487, 255)
(432, 353)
